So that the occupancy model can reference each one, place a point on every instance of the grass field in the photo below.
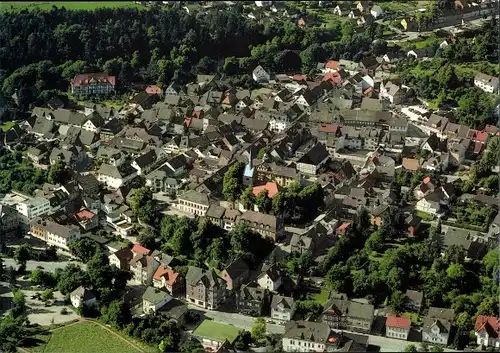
(69, 5)
(7, 125)
(83, 337)
(217, 331)
(321, 297)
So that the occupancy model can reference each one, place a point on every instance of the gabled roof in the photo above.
(490, 324)
(166, 272)
(398, 321)
(138, 249)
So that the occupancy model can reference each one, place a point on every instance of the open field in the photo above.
(69, 5)
(217, 331)
(321, 297)
(402, 6)
(82, 337)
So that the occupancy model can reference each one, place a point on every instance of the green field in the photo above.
(7, 125)
(321, 297)
(83, 337)
(70, 5)
(217, 331)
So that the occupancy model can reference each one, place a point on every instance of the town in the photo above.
(348, 204)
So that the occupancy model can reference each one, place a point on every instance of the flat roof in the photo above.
(217, 331)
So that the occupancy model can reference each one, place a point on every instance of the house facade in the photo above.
(193, 202)
(282, 308)
(349, 315)
(204, 288)
(397, 327)
(487, 331)
(93, 84)
(53, 233)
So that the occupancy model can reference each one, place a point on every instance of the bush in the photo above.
(64, 311)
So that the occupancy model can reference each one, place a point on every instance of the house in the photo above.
(204, 288)
(486, 82)
(396, 94)
(145, 162)
(413, 224)
(342, 9)
(487, 331)
(376, 11)
(363, 6)
(93, 84)
(260, 75)
(377, 214)
(282, 308)
(268, 226)
(397, 327)
(54, 233)
(9, 221)
(116, 176)
(308, 336)
(332, 66)
(313, 159)
(82, 296)
(270, 279)
(430, 204)
(166, 277)
(283, 176)
(236, 274)
(251, 300)
(193, 202)
(473, 244)
(340, 313)
(437, 324)
(86, 219)
(154, 299)
(414, 300)
(143, 267)
(121, 258)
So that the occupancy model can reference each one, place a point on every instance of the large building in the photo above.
(91, 84)
(54, 233)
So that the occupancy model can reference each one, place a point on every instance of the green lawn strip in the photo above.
(424, 216)
(69, 5)
(414, 317)
(84, 337)
(321, 297)
(7, 125)
(217, 331)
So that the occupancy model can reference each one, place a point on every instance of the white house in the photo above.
(193, 202)
(83, 296)
(28, 207)
(487, 331)
(114, 177)
(282, 308)
(486, 82)
(397, 327)
(154, 299)
(376, 11)
(270, 279)
(306, 336)
(54, 233)
(429, 204)
(437, 324)
(260, 75)
(263, 3)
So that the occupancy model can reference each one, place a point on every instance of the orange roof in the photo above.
(299, 77)
(138, 249)
(154, 90)
(481, 136)
(332, 64)
(332, 76)
(489, 323)
(398, 321)
(84, 214)
(343, 227)
(411, 164)
(272, 189)
(427, 180)
(169, 274)
(329, 128)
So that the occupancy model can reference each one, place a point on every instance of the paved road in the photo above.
(48, 266)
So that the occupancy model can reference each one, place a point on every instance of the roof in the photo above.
(208, 277)
(350, 308)
(237, 268)
(287, 302)
(82, 293)
(124, 254)
(441, 313)
(272, 189)
(169, 274)
(318, 332)
(195, 197)
(60, 230)
(138, 249)
(84, 214)
(398, 321)
(252, 293)
(259, 220)
(332, 64)
(315, 155)
(154, 295)
(411, 164)
(490, 324)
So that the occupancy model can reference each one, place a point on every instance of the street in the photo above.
(48, 266)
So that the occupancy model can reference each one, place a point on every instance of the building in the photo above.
(86, 219)
(414, 300)
(204, 288)
(437, 324)
(236, 274)
(313, 160)
(282, 308)
(116, 176)
(28, 207)
(270, 279)
(486, 82)
(82, 296)
(260, 75)
(143, 267)
(251, 300)
(487, 331)
(54, 233)
(154, 299)
(397, 327)
(9, 221)
(340, 313)
(93, 84)
(165, 277)
(193, 202)
(268, 226)
(121, 258)
(306, 336)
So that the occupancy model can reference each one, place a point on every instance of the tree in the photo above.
(398, 302)
(376, 241)
(191, 345)
(143, 205)
(259, 329)
(248, 198)
(100, 272)
(23, 253)
(18, 304)
(411, 348)
(263, 201)
(70, 278)
(47, 295)
(231, 186)
(58, 173)
(84, 249)
(147, 239)
(117, 314)
(10, 274)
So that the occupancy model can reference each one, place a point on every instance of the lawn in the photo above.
(69, 5)
(7, 125)
(424, 216)
(401, 6)
(217, 331)
(321, 297)
(83, 337)
(414, 317)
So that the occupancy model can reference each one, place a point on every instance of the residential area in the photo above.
(350, 205)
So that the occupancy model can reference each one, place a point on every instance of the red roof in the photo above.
(491, 129)
(427, 180)
(169, 274)
(478, 147)
(398, 321)
(84, 214)
(332, 64)
(138, 249)
(299, 77)
(88, 79)
(332, 76)
(329, 128)
(481, 136)
(154, 90)
(489, 323)
(343, 227)
(272, 189)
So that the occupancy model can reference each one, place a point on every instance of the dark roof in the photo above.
(237, 268)
(315, 155)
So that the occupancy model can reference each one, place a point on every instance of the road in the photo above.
(48, 266)
(245, 322)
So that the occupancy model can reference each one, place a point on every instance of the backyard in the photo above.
(216, 331)
(70, 5)
(83, 337)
